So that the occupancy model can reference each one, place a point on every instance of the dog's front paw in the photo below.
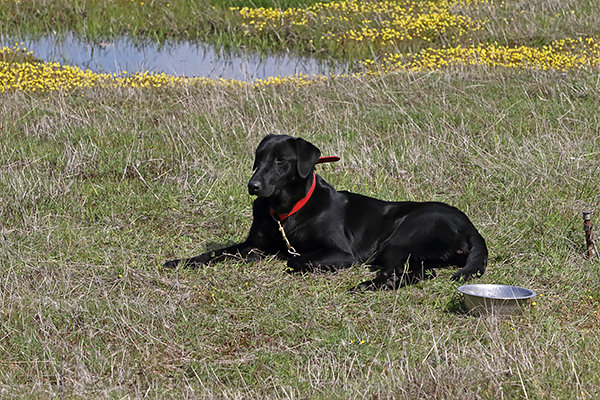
(171, 264)
(187, 263)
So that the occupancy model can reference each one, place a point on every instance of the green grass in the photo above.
(101, 186)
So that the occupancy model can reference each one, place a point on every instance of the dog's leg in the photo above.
(321, 260)
(476, 259)
(262, 234)
(243, 252)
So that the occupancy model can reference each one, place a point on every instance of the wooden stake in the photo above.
(589, 234)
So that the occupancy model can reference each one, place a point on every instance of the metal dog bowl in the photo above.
(483, 299)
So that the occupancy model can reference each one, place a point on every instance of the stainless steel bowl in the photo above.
(482, 299)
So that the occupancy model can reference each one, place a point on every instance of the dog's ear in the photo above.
(308, 155)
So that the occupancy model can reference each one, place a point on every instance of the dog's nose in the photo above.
(253, 187)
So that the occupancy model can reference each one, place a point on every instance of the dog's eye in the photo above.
(278, 160)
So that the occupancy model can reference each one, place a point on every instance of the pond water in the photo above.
(179, 59)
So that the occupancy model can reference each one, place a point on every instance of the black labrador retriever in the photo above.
(300, 217)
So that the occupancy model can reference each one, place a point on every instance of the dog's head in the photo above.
(280, 161)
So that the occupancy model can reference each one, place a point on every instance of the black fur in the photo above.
(403, 240)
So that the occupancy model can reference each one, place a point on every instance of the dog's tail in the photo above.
(477, 258)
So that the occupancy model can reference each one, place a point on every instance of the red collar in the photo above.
(299, 204)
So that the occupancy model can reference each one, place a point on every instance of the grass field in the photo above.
(100, 184)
